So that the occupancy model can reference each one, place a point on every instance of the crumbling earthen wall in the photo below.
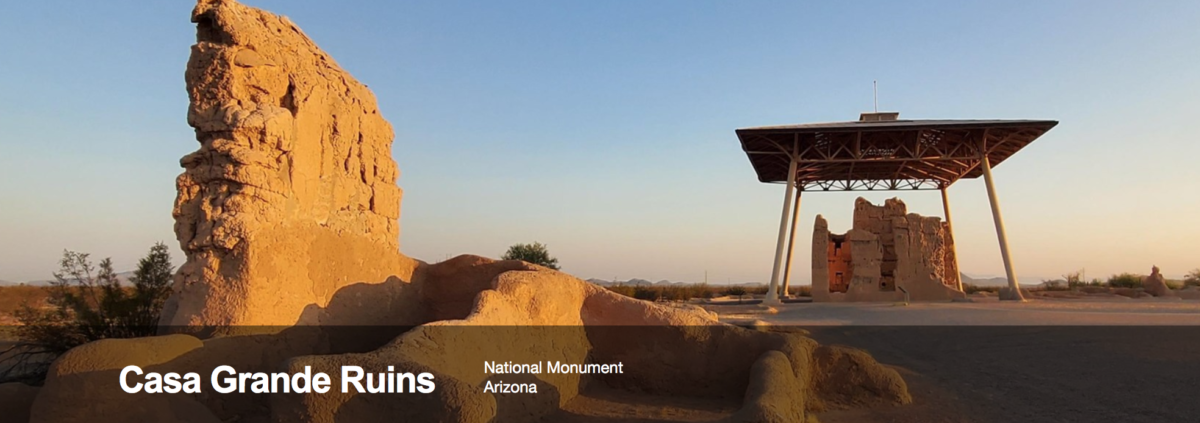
(292, 194)
(1156, 285)
(526, 315)
(891, 251)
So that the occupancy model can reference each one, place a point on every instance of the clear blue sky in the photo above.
(605, 129)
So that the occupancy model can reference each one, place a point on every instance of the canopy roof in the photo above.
(885, 155)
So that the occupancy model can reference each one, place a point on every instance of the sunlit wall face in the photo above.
(606, 131)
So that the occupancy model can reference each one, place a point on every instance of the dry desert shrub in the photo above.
(13, 297)
(1192, 279)
(1125, 280)
(86, 302)
(972, 288)
(684, 292)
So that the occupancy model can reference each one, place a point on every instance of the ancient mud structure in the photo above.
(288, 216)
(292, 194)
(1156, 284)
(887, 252)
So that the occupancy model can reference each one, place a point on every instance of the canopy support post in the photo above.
(772, 296)
(1014, 290)
(787, 268)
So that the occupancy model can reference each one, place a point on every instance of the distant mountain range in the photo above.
(123, 277)
(999, 280)
(984, 280)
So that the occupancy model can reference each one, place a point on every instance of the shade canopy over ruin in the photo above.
(885, 154)
(882, 152)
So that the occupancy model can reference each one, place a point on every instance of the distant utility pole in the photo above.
(875, 86)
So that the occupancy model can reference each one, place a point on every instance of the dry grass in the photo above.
(971, 289)
(689, 291)
(12, 297)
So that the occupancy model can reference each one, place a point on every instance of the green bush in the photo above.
(1125, 280)
(535, 253)
(87, 303)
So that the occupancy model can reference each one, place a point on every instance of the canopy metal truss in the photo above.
(879, 152)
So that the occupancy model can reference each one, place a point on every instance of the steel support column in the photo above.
(787, 268)
(954, 242)
(1014, 290)
(772, 296)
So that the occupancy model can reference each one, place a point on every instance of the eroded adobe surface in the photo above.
(287, 213)
(887, 251)
(292, 194)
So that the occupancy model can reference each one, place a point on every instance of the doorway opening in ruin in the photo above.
(839, 264)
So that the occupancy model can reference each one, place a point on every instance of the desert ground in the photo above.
(1102, 360)
(986, 311)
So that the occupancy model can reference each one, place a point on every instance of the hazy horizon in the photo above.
(606, 130)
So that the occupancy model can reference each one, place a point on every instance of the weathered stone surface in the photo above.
(866, 252)
(1156, 285)
(891, 251)
(292, 194)
(820, 259)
